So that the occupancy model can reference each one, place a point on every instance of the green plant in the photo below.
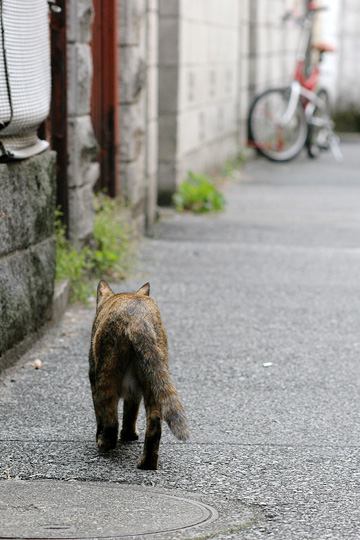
(109, 255)
(112, 255)
(71, 264)
(198, 194)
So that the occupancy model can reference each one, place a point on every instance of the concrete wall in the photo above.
(328, 29)
(138, 57)
(83, 169)
(340, 72)
(244, 82)
(198, 88)
(273, 44)
(213, 58)
(27, 247)
(347, 74)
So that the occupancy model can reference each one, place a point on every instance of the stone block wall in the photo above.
(27, 246)
(138, 58)
(83, 169)
(152, 124)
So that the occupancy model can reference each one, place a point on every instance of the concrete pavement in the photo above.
(261, 305)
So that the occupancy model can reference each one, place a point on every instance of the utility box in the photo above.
(25, 74)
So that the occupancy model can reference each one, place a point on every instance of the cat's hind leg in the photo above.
(149, 459)
(130, 414)
(104, 386)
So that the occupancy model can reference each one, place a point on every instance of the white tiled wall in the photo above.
(198, 96)
(348, 68)
(275, 44)
(214, 56)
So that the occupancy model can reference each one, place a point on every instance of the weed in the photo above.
(71, 264)
(198, 194)
(112, 256)
(109, 254)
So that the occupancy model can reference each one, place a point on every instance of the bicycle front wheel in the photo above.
(267, 132)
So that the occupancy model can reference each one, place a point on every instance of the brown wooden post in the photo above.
(104, 102)
(58, 111)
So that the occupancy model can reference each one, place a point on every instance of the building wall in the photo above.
(328, 29)
(152, 118)
(198, 87)
(339, 26)
(243, 82)
(83, 169)
(169, 50)
(347, 74)
(138, 58)
(213, 58)
(208, 84)
(273, 44)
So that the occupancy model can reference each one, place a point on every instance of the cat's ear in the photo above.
(144, 290)
(103, 291)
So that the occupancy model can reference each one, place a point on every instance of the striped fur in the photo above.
(129, 359)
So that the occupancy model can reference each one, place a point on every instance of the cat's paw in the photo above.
(126, 436)
(148, 464)
(107, 438)
(105, 444)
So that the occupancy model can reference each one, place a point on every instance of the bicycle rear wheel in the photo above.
(270, 137)
(318, 135)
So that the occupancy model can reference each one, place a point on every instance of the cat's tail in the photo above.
(174, 415)
(154, 374)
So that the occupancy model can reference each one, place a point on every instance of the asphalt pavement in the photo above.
(261, 305)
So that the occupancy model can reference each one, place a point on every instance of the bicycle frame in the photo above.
(312, 102)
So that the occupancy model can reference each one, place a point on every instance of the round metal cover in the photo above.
(55, 509)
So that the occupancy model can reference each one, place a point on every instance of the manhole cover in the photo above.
(54, 509)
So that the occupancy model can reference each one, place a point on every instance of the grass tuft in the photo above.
(109, 256)
(198, 194)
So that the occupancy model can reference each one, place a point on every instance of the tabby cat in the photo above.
(129, 359)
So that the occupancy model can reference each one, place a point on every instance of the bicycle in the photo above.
(282, 121)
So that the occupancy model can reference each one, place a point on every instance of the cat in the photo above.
(129, 358)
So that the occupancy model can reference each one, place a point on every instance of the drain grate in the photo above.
(48, 509)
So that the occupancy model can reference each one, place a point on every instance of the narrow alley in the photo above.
(261, 305)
